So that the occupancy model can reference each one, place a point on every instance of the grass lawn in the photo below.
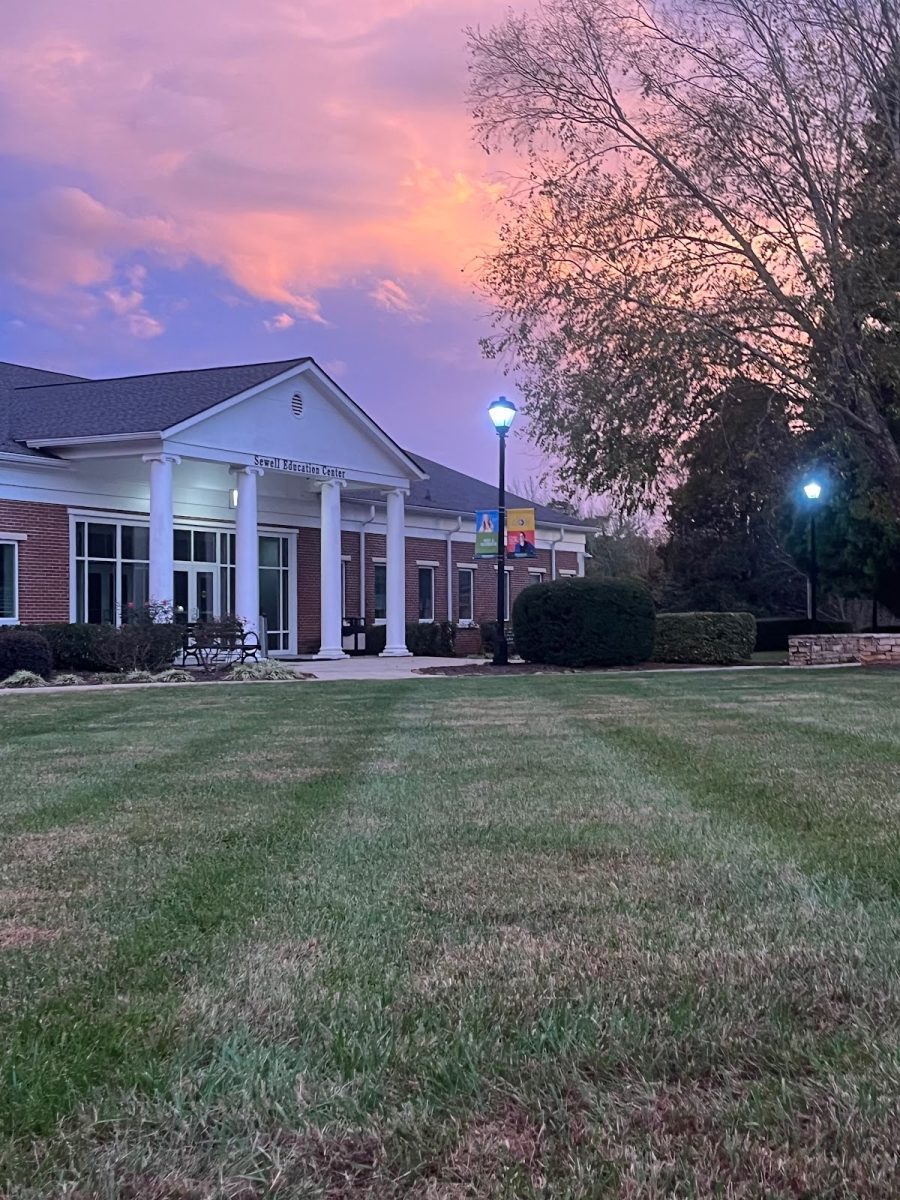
(626, 936)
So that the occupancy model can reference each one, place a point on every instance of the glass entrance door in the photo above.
(195, 594)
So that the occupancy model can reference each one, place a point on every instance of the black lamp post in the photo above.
(813, 493)
(502, 413)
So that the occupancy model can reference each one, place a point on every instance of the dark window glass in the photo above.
(270, 551)
(101, 592)
(380, 592)
(79, 592)
(79, 539)
(269, 595)
(181, 545)
(204, 546)
(180, 597)
(426, 594)
(135, 588)
(8, 580)
(136, 542)
(465, 596)
(101, 540)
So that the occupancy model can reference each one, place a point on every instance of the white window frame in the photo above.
(537, 574)
(567, 574)
(420, 567)
(465, 622)
(13, 539)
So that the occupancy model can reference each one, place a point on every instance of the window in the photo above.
(9, 587)
(112, 571)
(465, 609)
(380, 591)
(536, 576)
(344, 588)
(274, 581)
(426, 593)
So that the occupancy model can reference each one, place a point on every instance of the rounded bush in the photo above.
(24, 650)
(76, 646)
(585, 623)
(23, 679)
(713, 638)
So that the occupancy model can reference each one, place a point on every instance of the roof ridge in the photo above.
(277, 362)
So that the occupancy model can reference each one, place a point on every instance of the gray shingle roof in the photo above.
(449, 491)
(133, 404)
(13, 376)
(36, 404)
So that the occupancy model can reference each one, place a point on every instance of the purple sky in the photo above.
(186, 184)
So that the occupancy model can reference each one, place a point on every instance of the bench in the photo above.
(214, 643)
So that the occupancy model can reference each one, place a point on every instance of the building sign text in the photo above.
(318, 470)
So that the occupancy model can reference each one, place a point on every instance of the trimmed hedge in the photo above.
(488, 631)
(713, 638)
(24, 650)
(585, 622)
(138, 646)
(75, 647)
(772, 633)
(435, 640)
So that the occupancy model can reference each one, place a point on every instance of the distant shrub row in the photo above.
(716, 639)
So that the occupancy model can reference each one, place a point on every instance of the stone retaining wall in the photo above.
(815, 650)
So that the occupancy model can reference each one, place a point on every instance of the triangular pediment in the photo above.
(302, 418)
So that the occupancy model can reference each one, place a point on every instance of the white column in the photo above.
(162, 520)
(246, 548)
(332, 617)
(395, 644)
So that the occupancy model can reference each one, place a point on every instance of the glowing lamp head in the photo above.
(812, 490)
(502, 413)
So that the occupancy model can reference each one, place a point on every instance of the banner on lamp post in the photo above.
(520, 533)
(487, 526)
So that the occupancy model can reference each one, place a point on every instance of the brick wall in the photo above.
(833, 648)
(418, 550)
(43, 558)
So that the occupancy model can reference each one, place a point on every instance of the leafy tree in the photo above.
(725, 550)
(685, 222)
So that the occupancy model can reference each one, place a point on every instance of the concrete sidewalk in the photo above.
(372, 667)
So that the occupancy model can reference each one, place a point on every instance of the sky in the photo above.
(189, 183)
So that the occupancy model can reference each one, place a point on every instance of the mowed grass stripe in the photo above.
(828, 795)
(514, 957)
(116, 1023)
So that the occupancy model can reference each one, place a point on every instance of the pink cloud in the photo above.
(393, 297)
(292, 147)
(279, 322)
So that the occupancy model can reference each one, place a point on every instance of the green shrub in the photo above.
(585, 622)
(436, 639)
(67, 680)
(23, 679)
(139, 647)
(711, 638)
(24, 650)
(376, 638)
(488, 631)
(75, 646)
(138, 677)
(772, 633)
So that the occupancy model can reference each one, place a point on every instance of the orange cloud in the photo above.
(292, 146)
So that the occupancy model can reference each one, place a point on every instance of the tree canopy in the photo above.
(708, 197)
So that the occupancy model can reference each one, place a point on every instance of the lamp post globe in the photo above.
(502, 413)
(812, 490)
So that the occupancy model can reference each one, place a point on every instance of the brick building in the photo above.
(261, 490)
